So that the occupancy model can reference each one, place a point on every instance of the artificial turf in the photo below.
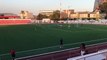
(34, 36)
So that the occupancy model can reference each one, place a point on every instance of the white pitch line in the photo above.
(71, 30)
(95, 29)
(56, 46)
(56, 51)
(65, 49)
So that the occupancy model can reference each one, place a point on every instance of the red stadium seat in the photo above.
(14, 22)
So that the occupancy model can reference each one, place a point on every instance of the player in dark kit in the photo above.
(61, 43)
(12, 52)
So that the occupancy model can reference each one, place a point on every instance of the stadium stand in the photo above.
(14, 21)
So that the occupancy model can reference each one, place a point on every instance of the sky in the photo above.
(35, 6)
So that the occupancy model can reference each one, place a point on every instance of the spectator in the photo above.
(12, 52)
(61, 43)
(83, 49)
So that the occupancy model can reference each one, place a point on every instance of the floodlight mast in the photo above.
(68, 16)
(60, 10)
(68, 11)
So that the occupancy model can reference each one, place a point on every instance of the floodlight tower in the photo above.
(60, 9)
(68, 16)
(68, 13)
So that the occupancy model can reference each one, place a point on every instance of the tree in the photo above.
(40, 16)
(103, 7)
(56, 15)
(22, 12)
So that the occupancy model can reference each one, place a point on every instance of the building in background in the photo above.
(8, 16)
(74, 15)
(46, 12)
(68, 11)
(83, 15)
(26, 15)
(65, 14)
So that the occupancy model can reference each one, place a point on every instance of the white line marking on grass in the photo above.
(56, 51)
(87, 41)
(62, 50)
(65, 44)
(74, 30)
(95, 29)
(71, 30)
(4, 54)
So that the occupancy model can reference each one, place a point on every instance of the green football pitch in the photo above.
(38, 36)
